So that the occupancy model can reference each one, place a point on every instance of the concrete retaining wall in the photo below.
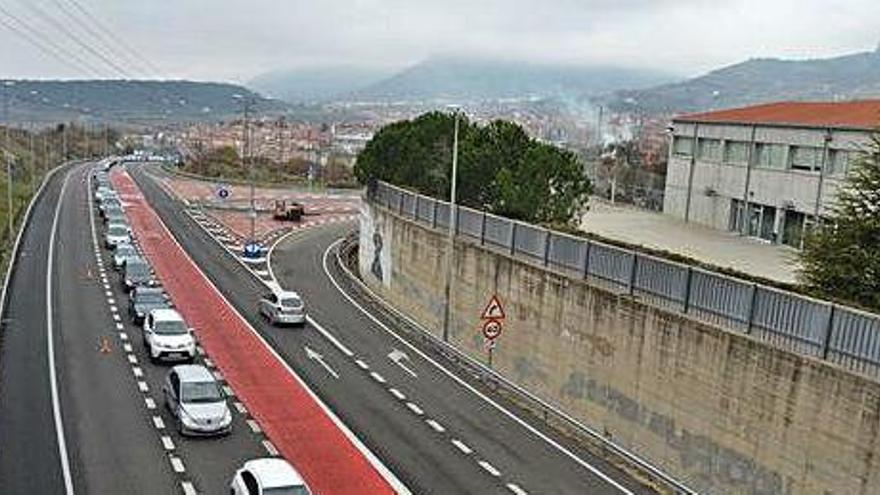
(722, 412)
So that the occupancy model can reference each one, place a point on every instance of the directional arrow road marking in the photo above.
(399, 357)
(320, 359)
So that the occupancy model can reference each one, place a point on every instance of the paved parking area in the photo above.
(725, 249)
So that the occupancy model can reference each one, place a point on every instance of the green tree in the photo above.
(841, 258)
(501, 169)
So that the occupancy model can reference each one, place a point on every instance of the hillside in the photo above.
(762, 80)
(310, 85)
(129, 101)
(474, 79)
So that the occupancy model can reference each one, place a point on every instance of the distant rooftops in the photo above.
(858, 114)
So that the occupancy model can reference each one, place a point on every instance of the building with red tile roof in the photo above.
(765, 171)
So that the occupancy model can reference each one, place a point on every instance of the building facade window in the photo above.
(808, 158)
(760, 220)
(769, 155)
(838, 162)
(683, 146)
(736, 152)
(709, 150)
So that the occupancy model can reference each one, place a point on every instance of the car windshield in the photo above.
(200, 392)
(136, 269)
(125, 250)
(291, 302)
(117, 230)
(149, 297)
(286, 490)
(169, 327)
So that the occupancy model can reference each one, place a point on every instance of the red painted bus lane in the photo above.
(294, 421)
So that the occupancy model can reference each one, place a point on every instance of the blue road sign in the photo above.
(222, 192)
(253, 250)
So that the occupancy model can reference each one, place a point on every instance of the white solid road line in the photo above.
(498, 407)
(383, 470)
(50, 348)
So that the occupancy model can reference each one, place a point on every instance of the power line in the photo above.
(61, 27)
(46, 45)
(119, 40)
(110, 47)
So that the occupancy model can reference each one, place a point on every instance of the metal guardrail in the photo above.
(839, 334)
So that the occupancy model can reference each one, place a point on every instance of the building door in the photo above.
(793, 229)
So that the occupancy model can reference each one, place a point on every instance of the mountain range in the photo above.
(459, 79)
(121, 101)
(854, 76)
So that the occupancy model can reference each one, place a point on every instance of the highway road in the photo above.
(97, 424)
(81, 408)
(437, 430)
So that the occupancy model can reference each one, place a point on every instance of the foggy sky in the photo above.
(237, 40)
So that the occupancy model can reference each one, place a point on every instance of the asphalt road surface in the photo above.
(435, 434)
(118, 436)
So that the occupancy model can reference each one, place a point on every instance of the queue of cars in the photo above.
(192, 394)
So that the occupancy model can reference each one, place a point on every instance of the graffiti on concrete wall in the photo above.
(374, 256)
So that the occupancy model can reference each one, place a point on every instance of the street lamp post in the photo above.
(453, 218)
(246, 159)
(8, 152)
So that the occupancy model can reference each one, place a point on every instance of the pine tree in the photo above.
(841, 258)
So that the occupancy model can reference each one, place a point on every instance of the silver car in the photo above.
(194, 398)
(283, 307)
(123, 252)
(116, 234)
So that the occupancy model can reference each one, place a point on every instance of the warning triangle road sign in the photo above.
(494, 310)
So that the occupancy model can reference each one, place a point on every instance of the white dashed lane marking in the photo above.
(254, 426)
(132, 359)
(240, 407)
(177, 464)
(516, 489)
(270, 448)
(188, 488)
(126, 347)
(376, 376)
(158, 423)
(489, 468)
(462, 447)
(150, 403)
(435, 426)
(362, 365)
(397, 393)
(415, 409)
(167, 443)
(138, 372)
(143, 387)
(228, 391)
(123, 335)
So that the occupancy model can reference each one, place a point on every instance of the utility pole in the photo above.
(33, 159)
(450, 249)
(64, 142)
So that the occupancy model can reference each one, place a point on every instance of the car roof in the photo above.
(147, 290)
(193, 373)
(286, 293)
(274, 472)
(166, 314)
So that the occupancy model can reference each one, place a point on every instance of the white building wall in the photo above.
(716, 183)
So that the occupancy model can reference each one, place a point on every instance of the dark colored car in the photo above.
(142, 300)
(137, 273)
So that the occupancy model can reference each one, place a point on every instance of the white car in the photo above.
(104, 192)
(268, 476)
(117, 234)
(194, 398)
(283, 307)
(166, 336)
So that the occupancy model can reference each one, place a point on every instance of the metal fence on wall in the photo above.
(839, 334)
